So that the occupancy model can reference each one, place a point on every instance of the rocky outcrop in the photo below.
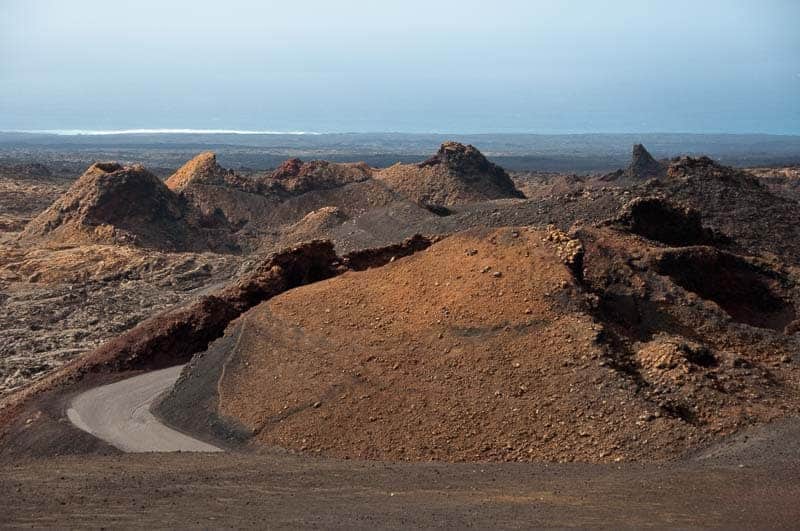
(377, 257)
(295, 177)
(748, 292)
(643, 165)
(658, 219)
(462, 159)
(202, 169)
(734, 203)
(456, 174)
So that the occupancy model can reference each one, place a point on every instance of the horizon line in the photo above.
(256, 132)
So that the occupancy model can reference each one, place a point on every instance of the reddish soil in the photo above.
(635, 338)
(518, 344)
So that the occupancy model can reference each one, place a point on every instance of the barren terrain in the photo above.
(341, 317)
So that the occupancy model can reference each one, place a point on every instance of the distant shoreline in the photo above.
(580, 153)
(106, 132)
(266, 132)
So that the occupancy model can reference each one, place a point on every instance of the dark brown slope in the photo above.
(736, 204)
(111, 203)
(295, 177)
(456, 174)
(304, 187)
(219, 193)
(643, 165)
(781, 181)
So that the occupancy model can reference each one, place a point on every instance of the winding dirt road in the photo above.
(119, 414)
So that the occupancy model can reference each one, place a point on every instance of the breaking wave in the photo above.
(89, 132)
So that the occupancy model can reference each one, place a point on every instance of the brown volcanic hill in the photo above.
(218, 192)
(202, 169)
(296, 177)
(263, 206)
(735, 203)
(515, 344)
(111, 203)
(456, 174)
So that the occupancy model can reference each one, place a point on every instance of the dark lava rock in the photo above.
(660, 220)
(643, 165)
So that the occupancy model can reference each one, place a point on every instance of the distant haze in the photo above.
(466, 66)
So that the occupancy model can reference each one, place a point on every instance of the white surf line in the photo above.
(107, 132)
(119, 414)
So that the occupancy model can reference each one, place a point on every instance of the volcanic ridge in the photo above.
(431, 311)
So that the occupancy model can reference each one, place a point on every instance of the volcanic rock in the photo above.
(643, 165)
(32, 170)
(112, 203)
(202, 169)
(315, 224)
(297, 177)
(456, 174)
(658, 219)
(734, 203)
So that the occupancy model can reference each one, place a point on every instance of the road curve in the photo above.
(119, 414)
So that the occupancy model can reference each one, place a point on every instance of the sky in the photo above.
(466, 66)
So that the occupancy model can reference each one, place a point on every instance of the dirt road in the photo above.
(750, 480)
(119, 414)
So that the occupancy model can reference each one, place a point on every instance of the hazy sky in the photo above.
(447, 65)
